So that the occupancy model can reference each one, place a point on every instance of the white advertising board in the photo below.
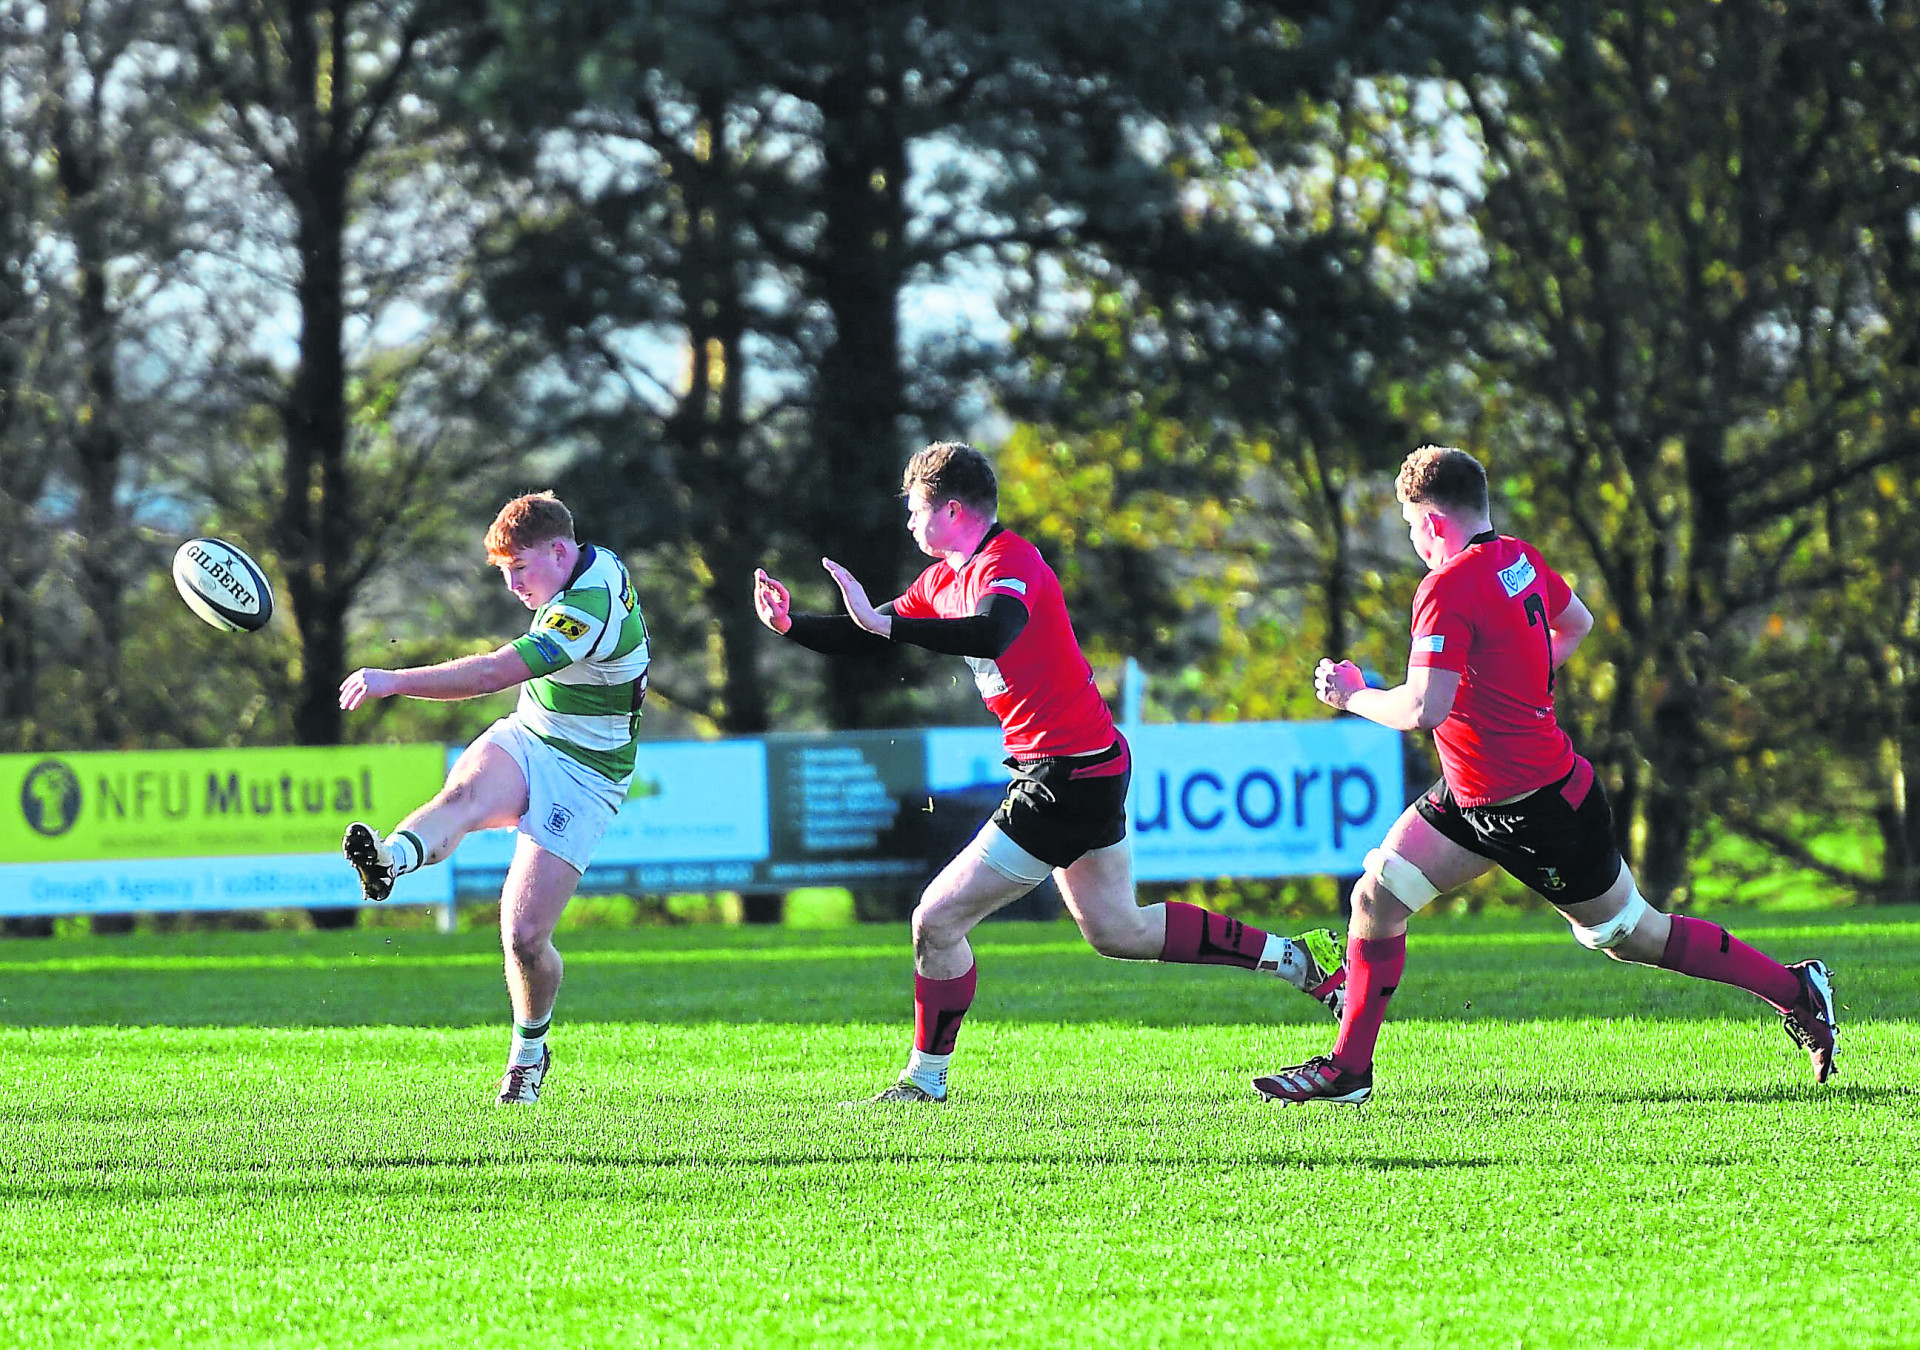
(691, 802)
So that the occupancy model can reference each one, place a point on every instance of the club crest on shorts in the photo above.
(558, 819)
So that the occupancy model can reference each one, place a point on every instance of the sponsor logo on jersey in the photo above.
(1014, 584)
(566, 625)
(550, 651)
(1432, 642)
(1518, 577)
(1550, 878)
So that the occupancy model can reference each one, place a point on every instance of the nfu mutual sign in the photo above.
(123, 831)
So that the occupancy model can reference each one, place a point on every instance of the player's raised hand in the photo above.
(771, 601)
(858, 606)
(1334, 682)
(362, 685)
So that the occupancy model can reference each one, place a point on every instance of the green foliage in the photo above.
(1241, 398)
(1699, 360)
(1657, 266)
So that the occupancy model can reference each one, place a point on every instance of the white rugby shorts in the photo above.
(569, 806)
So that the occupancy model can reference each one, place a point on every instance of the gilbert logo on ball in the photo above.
(223, 585)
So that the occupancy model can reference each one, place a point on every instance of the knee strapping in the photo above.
(1407, 882)
(997, 849)
(1606, 936)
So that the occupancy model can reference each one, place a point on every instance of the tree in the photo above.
(1697, 223)
(762, 190)
(322, 117)
(1825, 714)
(102, 94)
(1244, 376)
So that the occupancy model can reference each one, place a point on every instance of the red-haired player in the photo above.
(556, 770)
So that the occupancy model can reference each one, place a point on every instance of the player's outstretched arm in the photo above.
(1421, 704)
(467, 677)
(988, 631)
(828, 634)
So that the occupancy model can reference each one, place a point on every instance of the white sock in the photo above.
(405, 849)
(928, 1072)
(1281, 956)
(529, 1042)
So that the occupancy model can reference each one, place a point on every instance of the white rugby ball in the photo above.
(223, 585)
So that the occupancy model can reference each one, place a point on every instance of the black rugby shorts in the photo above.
(1059, 809)
(1557, 840)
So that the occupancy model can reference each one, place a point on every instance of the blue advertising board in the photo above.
(1238, 799)
(889, 808)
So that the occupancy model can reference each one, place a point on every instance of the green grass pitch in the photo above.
(288, 1139)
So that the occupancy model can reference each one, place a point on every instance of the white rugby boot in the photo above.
(520, 1085)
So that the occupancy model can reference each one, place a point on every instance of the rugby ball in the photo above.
(223, 585)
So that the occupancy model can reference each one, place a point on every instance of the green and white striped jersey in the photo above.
(587, 649)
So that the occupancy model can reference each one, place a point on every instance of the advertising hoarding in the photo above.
(260, 828)
(1229, 799)
(126, 831)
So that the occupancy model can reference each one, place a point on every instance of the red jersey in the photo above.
(1041, 688)
(1487, 613)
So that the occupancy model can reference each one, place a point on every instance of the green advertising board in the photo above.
(112, 805)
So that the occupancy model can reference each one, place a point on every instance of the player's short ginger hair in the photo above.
(1440, 476)
(953, 470)
(536, 518)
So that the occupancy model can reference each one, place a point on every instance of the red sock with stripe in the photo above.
(1199, 937)
(938, 1006)
(1374, 967)
(1709, 952)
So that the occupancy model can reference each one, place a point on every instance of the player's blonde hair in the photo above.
(1439, 475)
(953, 470)
(536, 518)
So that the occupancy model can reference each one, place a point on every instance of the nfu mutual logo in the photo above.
(50, 798)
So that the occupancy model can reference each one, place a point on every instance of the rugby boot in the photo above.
(1812, 1024)
(371, 859)
(1326, 975)
(906, 1091)
(1318, 1080)
(520, 1085)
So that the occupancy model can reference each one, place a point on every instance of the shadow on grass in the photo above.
(350, 1175)
(1464, 973)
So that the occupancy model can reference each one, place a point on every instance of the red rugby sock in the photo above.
(1374, 967)
(1709, 952)
(1199, 937)
(938, 1006)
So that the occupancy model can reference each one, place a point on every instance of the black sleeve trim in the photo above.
(835, 634)
(987, 632)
